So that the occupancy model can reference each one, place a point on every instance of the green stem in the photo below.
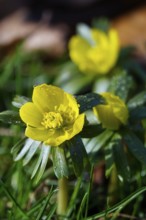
(62, 197)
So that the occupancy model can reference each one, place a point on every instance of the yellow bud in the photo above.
(113, 114)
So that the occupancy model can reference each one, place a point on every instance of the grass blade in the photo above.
(9, 195)
(51, 212)
(89, 191)
(42, 210)
(72, 202)
(82, 206)
(119, 205)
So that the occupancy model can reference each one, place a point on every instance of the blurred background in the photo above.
(45, 25)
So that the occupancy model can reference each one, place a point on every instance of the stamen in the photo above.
(52, 120)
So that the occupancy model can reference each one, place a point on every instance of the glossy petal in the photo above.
(38, 134)
(73, 104)
(46, 97)
(30, 114)
(77, 126)
(77, 49)
(57, 138)
(107, 118)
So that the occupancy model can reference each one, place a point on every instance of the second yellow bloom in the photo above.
(97, 56)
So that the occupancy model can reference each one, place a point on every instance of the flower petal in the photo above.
(57, 138)
(114, 47)
(76, 127)
(46, 97)
(107, 117)
(78, 48)
(121, 113)
(72, 103)
(30, 114)
(97, 58)
(38, 134)
(112, 114)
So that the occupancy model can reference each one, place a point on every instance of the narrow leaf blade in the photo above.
(89, 100)
(59, 162)
(24, 149)
(19, 101)
(137, 100)
(121, 161)
(45, 157)
(136, 147)
(79, 155)
(138, 113)
(33, 148)
(10, 117)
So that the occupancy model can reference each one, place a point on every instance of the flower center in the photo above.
(52, 120)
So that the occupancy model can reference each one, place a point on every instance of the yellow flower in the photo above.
(113, 114)
(98, 55)
(52, 116)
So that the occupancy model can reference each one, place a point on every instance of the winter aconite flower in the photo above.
(96, 55)
(53, 115)
(113, 114)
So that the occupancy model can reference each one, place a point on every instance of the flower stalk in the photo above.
(62, 197)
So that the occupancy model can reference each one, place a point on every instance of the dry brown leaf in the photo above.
(50, 40)
(132, 29)
(14, 28)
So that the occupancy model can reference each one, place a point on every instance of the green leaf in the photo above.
(67, 72)
(77, 83)
(19, 101)
(94, 144)
(103, 24)
(32, 150)
(138, 113)
(41, 162)
(85, 32)
(125, 53)
(88, 101)
(10, 117)
(52, 210)
(45, 156)
(132, 66)
(120, 160)
(137, 100)
(101, 84)
(135, 146)
(90, 131)
(59, 162)
(121, 84)
(82, 207)
(37, 206)
(78, 155)
(24, 149)
(18, 146)
(109, 160)
(89, 189)
(71, 79)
